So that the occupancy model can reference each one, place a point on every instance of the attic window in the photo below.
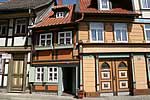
(104, 4)
(60, 15)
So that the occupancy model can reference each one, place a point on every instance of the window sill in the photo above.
(45, 83)
(43, 47)
(63, 46)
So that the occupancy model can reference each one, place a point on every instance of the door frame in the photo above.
(116, 72)
(10, 70)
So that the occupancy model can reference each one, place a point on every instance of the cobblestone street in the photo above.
(18, 96)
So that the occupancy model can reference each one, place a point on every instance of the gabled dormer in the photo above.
(60, 11)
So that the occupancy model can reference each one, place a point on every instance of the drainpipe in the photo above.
(82, 17)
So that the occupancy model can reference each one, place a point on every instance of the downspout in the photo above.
(82, 17)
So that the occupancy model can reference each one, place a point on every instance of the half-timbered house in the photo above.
(15, 40)
(55, 60)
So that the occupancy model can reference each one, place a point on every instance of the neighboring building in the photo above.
(55, 60)
(15, 41)
(113, 48)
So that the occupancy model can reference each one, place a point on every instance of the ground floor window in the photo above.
(53, 74)
(48, 74)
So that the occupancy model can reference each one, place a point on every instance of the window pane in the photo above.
(124, 35)
(38, 69)
(48, 36)
(48, 42)
(118, 35)
(100, 35)
(55, 69)
(43, 42)
(4, 30)
(55, 76)
(18, 29)
(67, 34)
(50, 76)
(42, 69)
(68, 41)
(42, 36)
(23, 29)
(148, 35)
(61, 34)
(50, 69)
(104, 3)
(148, 3)
(42, 78)
(38, 76)
(62, 41)
(93, 35)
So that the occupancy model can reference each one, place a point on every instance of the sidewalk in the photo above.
(19, 96)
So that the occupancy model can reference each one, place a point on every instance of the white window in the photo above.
(104, 4)
(145, 4)
(60, 14)
(21, 26)
(120, 30)
(45, 39)
(97, 32)
(65, 38)
(53, 74)
(39, 74)
(3, 28)
(147, 32)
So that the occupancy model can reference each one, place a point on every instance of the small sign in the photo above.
(6, 56)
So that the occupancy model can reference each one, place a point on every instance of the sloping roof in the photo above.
(23, 4)
(50, 20)
(85, 7)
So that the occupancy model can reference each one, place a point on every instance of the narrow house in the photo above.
(113, 49)
(15, 41)
(55, 61)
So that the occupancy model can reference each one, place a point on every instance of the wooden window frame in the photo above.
(1, 28)
(60, 14)
(145, 33)
(143, 5)
(36, 72)
(46, 39)
(21, 24)
(100, 5)
(65, 37)
(53, 73)
(94, 26)
(122, 26)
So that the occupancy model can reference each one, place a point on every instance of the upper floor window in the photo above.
(3, 27)
(65, 38)
(104, 4)
(53, 74)
(145, 3)
(147, 32)
(97, 32)
(21, 26)
(39, 74)
(120, 30)
(60, 14)
(45, 39)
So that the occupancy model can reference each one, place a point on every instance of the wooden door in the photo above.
(17, 75)
(114, 77)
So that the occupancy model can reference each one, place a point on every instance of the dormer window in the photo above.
(103, 4)
(60, 15)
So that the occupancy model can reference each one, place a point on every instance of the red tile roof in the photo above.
(50, 20)
(85, 7)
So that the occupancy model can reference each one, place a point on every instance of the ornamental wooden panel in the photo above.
(109, 34)
(39, 88)
(44, 55)
(89, 74)
(140, 72)
(64, 54)
(52, 87)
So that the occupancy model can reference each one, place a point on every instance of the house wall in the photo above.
(135, 33)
